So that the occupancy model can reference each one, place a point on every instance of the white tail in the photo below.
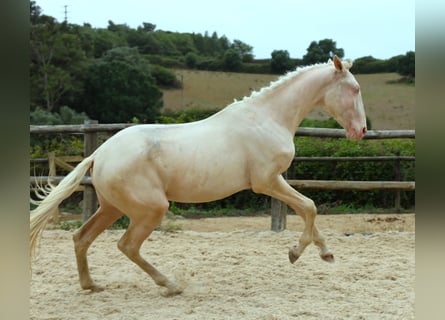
(41, 215)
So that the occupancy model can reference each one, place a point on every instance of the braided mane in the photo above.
(347, 64)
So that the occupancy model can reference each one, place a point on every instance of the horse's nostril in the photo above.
(364, 130)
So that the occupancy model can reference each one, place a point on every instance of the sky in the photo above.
(378, 28)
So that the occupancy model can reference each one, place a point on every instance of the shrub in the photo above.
(60, 144)
(165, 78)
(353, 170)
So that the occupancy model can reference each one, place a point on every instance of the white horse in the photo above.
(246, 145)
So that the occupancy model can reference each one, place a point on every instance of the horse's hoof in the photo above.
(328, 257)
(292, 256)
(172, 291)
(94, 288)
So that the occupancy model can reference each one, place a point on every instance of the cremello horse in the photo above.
(246, 145)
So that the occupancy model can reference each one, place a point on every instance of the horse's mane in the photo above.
(347, 64)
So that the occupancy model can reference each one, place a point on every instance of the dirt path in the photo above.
(235, 268)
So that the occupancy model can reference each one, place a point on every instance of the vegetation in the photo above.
(322, 51)
(281, 62)
(402, 64)
(353, 170)
(120, 87)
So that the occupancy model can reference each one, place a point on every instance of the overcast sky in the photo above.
(380, 28)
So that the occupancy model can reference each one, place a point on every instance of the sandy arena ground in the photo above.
(235, 268)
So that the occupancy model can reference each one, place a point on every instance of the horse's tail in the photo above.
(40, 216)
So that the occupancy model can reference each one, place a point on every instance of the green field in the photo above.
(389, 106)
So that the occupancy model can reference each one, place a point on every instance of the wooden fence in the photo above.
(91, 128)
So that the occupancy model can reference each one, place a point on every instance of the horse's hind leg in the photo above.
(141, 226)
(102, 219)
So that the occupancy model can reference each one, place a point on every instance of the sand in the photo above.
(235, 268)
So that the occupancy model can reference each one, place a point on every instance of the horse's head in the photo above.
(343, 100)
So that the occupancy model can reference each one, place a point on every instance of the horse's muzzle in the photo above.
(356, 134)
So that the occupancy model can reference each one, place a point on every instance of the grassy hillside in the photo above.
(389, 106)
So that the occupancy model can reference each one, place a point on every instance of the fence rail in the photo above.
(279, 210)
(303, 132)
(341, 133)
(352, 185)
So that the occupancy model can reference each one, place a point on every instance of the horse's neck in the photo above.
(288, 102)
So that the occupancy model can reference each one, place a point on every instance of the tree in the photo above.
(281, 61)
(119, 87)
(191, 60)
(105, 40)
(147, 27)
(322, 51)
(57, 60)
(231, 60)
(243, 49)
(369, 64)
(407, 65)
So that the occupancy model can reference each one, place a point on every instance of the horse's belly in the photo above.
(205, 186)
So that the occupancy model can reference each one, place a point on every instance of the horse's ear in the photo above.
(337, 63)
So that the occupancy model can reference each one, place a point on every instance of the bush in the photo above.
(353, 170)
(119, 87)
(369, 64)
(60, 144)
(191, 59)
(165, 78)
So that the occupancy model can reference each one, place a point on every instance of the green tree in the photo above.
(105, 40)
(147, 27)
(322, 51)
(368, 64)
(231, 60)
(191, 60)
(120, 87)
(243, 49)
(121, 30)
(57, 60)
(281, 61)
(407, 65)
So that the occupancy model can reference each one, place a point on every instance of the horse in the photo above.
(246, 145)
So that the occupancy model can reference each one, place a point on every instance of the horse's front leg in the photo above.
(304, 207)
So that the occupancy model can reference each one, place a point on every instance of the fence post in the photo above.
(279, 213)
(89, 195)
(398, 177)
(52, 173)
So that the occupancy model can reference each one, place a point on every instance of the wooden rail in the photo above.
(80, 128)
(304, 132)
(300, 184)
(279, 210)
(352, 185)
(341, 133)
